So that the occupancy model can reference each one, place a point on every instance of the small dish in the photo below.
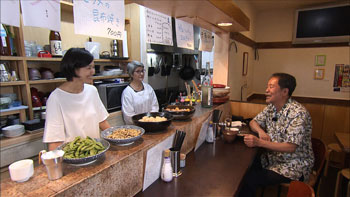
(230, 135)
(13, 130)
(21, 171)
(121, 142)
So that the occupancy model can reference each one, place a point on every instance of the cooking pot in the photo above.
(34, 74)
(187, 72)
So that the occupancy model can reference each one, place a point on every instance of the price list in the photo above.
(158, 28)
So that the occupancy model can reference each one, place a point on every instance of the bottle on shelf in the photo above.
(167, 170)
(5, 42)
(207, 89)
(55, 44)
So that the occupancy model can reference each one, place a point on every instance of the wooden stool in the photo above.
(345, 173)
(334, 147)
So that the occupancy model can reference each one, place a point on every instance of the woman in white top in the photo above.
(138, 97)
(74, 108)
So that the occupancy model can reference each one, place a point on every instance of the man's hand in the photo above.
(251, 140)
(264, 136)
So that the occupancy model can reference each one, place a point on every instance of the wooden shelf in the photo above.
(10, 58)
(21, 139)
(55, 59)
(43, 81)
(12, 83)
(111, 77)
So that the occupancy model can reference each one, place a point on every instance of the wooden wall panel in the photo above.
(336, 119)
(247, 110)
(317, 115)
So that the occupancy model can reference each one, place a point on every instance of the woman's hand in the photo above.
(264, 136)
(251, 140)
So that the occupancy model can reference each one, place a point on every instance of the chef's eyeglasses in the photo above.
(140, 71)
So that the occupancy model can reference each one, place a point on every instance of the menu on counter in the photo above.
(154, 161)
(158, 28)
(101, 18)
(45, 14)
(10, 12)
(206, 41)
(203, 133)
(184, 34)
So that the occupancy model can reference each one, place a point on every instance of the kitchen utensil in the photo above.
(221, 92)
(53, 163)
(4, 73)
(121, 142)
(187, 72)
(153, 126)
(162, 67)
(151, 69)
(180, 115)
(158, 63)
(44, 54)
(197, 72)
(195, 86)
(21, 171)
(86, 160)
(114, 48)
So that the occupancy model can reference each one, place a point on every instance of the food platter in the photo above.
(153, 126)
(121, 142)
(85, 160)
(179, 114)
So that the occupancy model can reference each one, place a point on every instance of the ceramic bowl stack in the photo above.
(13, 130)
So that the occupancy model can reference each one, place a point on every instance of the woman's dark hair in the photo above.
(73, 59)
(286, 81)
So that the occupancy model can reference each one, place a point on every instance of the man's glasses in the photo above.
(140, 71)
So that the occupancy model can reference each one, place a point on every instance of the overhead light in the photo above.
(224, 24)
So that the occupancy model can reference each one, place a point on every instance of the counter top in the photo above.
(213, 170)
(119, 172)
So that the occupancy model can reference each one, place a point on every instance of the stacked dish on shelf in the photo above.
(220, 93)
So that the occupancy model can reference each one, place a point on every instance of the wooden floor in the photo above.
(326, 190)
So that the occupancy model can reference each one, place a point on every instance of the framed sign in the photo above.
(320, 60)
(319, 74)
(245, 64)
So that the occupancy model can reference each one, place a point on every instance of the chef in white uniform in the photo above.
(138, 97)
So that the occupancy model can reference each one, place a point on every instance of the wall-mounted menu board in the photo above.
(184, 34)
(158, 28)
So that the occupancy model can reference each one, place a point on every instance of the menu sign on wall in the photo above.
(184, 34)
(99, 18)
(158, 28)
(10, 12)
(40, 13)
(206, 40)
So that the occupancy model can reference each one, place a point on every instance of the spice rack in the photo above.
(21, 63)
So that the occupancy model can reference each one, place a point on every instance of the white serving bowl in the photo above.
(21, 171)
(13, 130)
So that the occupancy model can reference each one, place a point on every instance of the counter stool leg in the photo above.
(337, 184)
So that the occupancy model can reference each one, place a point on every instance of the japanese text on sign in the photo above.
(184, 34)
(99, 18)
(158, 28)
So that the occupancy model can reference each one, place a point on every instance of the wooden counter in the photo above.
(119, 173)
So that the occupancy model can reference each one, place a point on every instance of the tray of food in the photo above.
(83, 151)
(153, 121)
(122, 135)
(180, 112)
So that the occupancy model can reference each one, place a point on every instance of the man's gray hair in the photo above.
(132, 67)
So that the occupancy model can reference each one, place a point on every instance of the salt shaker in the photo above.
(167, 170)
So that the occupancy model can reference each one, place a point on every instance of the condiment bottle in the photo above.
(207, 89)
(167, 170)
(4, 42)
(210, 133)
(55, 44)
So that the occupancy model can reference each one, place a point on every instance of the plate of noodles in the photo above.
(122, 135)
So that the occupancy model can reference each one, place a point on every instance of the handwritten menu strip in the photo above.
(101, 18)
(158, 28)
(10, 12)
(38, 13)
(184, 34)
(206, 40)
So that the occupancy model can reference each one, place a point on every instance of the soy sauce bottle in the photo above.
(55, 44)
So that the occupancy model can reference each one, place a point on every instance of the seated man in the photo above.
(284, 129)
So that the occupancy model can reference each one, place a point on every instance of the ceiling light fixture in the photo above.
(224, 24)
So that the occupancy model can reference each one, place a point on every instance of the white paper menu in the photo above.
(203, 133)
(158, 28)
(154, 161)
(101, 18)
(206, 41)
(42, 13)
(10, 12)
(184, 34)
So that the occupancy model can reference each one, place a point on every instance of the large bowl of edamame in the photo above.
(83, 151)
